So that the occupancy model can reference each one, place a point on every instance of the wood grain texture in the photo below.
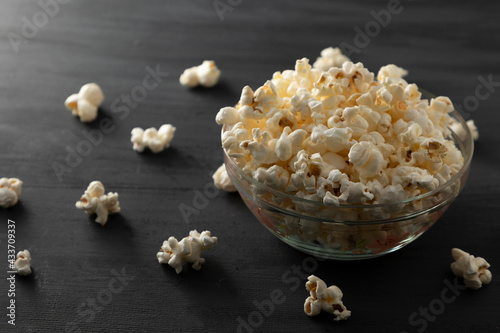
(445, 45)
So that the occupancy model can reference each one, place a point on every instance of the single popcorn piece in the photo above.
(474, 270)
(207, 75)
(473, 129)
(326, 299)
(86, 103)
(155, 140)
(330, 57)
(10, 191)
(189, 250)
(22, 263)
(222, 180)
(95, 201)
(456, 127)
(393, 72)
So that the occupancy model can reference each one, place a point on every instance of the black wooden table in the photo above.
(89, 278)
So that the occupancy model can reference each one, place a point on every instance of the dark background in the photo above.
(445, 46)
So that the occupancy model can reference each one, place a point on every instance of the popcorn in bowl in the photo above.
(340, 146)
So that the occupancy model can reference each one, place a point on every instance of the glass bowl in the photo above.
(352, 232)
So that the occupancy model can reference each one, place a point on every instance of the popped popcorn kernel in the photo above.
(155, 140)
(207, 75)
(330, 57)
(324, 299)
(474, 270)
(22, 265)
(86, 103)
(189, 250)
(95, 201)
(222, 180)
(10, 191)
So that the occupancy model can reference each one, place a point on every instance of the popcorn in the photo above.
(22, 263)
(341, 137)
(86, 102)
(227, 116)
(457, 128)
(94, 201)
(368, 161)
(188, 250)
(474, 270)
(155, 140)
(275, 177)
(207, 74)
(10, 191)
(393, 72)
(222, 180)
(326, 299)
(330, 57)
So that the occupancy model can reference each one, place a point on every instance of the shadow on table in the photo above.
(222, 89)
(117, 227)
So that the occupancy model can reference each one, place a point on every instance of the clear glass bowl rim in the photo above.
(452, 180)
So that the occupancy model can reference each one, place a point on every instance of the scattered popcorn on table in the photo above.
(188, 250)
(155, 140)
(326, 299)
(459, 130)
(474, 270)
(22, 263)
(222, 180)
(94, 201)
(473, 129)
(10, 191)
(86, 102)
(340, 137)
(330, 57)
(207, 74)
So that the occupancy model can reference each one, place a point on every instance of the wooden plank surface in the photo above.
(446, 46)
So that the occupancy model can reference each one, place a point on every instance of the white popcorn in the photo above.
(457, 128)
(326, 299)
(227, 116)
(407, 176)
(94, 201)
(22, 263)
(330, 57)
(222, 180)
(367, 159)
(350, 192)
(474, 270)
(275, 177)
(473, 129)
(339, 137)
(86, 103)
(188, 250)
(207, 74)
(155, 140)
(10, 191)
(391, 71)
(335, 139)
(262, 147)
